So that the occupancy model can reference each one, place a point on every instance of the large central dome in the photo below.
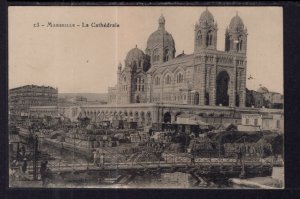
(160, 44)
(160, 36)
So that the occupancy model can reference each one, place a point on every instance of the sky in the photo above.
(82, 59)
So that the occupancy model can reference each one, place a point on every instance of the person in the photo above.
(95, 154)
(61, 148)
(193, 159)
(43, 171)
(239, 156)
(24, 166)
(13, 169)
(23, 151)
(102, 160)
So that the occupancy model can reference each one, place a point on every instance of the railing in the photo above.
(151, 165)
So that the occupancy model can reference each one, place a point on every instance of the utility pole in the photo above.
(35, 159)
(74, 149)
(243, 154)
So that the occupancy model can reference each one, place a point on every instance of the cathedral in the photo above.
(206, 77)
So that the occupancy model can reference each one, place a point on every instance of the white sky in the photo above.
(85, 59)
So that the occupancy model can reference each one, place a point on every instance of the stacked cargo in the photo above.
(249, 149)
(144, 136)
(135, 138)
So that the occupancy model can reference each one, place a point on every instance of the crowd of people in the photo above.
(98, 158)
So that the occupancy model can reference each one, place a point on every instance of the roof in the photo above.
(160, 36)
(262, 89)
(181, 55)
(206, 18)
(135, 54)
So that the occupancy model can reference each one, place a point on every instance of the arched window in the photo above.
(157, 81)
(179, 78)
(137, 99)
(209, 38)
(155, 56)
(166, 58)
(199, 38)
(168, 79)
(124, 79)
(239, 44)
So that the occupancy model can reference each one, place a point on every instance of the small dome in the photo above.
(206, 18)
(181, 55)
(262, 89)
(236, 23)
(135, 54)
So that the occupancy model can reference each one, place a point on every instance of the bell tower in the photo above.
(205, 32)
(236, 36)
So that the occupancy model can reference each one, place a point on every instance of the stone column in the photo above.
(201, 90)
(212, 85)
(148, 88)
(243, 88)
(233, 93)
(173, 115)
(155, 115)
(128, 92)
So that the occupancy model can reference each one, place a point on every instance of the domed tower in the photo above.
(136, 60)
(136, 66)
(205, 32)
(160, 44)
(236, 36)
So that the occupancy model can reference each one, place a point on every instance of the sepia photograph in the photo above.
(164, 97)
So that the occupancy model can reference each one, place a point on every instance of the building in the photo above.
(255, 99)
(21, 98)
(272, 99)
(42, 111)
(273, 121)
(206, 77)
(155, 86)
(264, 98)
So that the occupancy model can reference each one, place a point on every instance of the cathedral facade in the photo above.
(206, 77)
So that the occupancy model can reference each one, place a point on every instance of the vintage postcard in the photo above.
(146, 97)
